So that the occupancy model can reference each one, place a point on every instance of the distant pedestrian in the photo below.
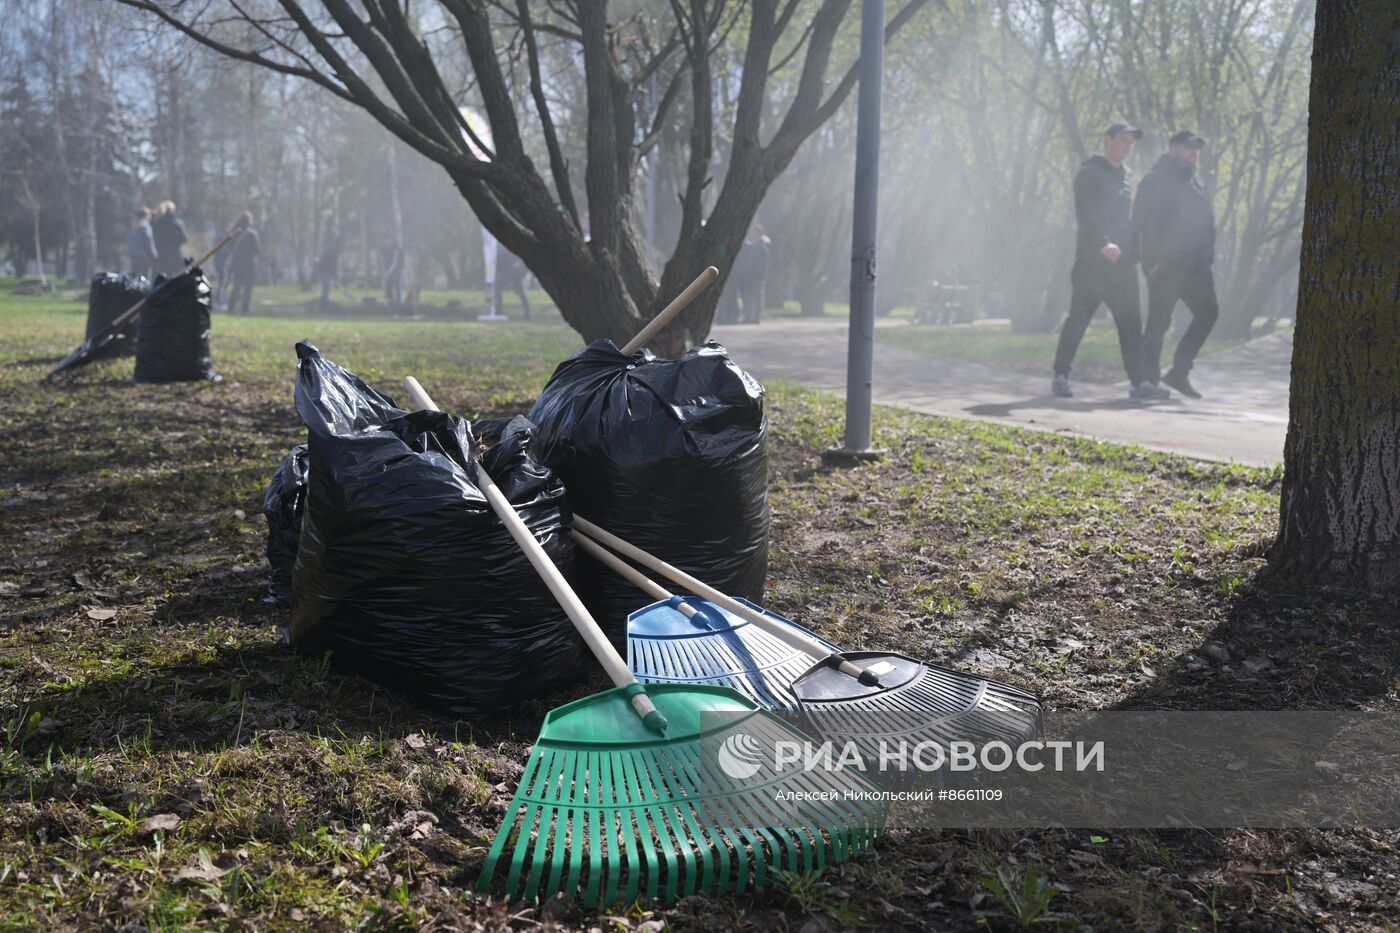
(751, 275)
(393, 274)
(410, 281)
(169, 233)
(510, 274)
(1175, 218)
(328, 266)
(243, 264)
(141, 244)
(221, 261)
(1105, 263)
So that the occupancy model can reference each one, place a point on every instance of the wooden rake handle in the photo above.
(629, 573)
(598, 643)
(702, 282)
(807, 645)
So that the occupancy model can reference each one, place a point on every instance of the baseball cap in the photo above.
(1187, 138)
(1117, 128)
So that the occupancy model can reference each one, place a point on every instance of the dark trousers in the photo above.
(751, 295)
(1194, 287)
(1094, 282)
(240, 292)
(499, 288)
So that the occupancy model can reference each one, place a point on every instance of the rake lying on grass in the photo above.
(663, 791)
(91, 348)
(874, 699)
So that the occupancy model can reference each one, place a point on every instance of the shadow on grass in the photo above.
(1281, 649)
(219, 698)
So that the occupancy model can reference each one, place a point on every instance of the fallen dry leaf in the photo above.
(166, 821)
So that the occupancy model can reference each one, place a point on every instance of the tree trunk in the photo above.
(1340, 520)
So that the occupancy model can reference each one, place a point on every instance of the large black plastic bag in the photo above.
(669, 454)
(173, 345)
(283, 506)
(403, 571)
(108, 297)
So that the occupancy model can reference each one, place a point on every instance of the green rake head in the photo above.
(609, 811)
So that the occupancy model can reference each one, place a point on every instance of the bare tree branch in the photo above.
(222, 48)
(557, 165)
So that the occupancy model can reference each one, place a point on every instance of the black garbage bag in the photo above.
(109, 296)
(173, 345)
(403, 571)
(283, 506)
(671, 455)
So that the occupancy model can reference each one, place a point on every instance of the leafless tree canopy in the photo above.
(418, 67)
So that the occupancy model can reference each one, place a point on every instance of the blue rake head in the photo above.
(664, 645)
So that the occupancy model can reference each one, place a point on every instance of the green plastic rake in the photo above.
(663, 791)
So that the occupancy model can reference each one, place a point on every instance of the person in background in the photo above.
(1105, 263)
(510, 274)
(169, 234)
(393, 274)
(1176, 221)
(221, 260)
(141, 244)
(751, 274)
(328, 266)
(242, 264)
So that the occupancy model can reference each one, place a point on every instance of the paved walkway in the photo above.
(1243, 417)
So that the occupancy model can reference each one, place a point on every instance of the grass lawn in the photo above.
(140, 675)
(458, 303)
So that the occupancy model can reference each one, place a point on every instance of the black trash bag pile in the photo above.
(283, 506)
(173, 344)
(403, 571)
(670, 455)
(109, 296)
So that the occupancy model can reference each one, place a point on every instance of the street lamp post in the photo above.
(860, 356)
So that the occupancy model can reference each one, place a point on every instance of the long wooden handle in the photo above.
(568, 600)
(806, 644)
(627, 572)
(702, 281)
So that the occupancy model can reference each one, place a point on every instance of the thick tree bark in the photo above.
(1340, 521)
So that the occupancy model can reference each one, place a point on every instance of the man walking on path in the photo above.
(1174, 217)
(1105, 263)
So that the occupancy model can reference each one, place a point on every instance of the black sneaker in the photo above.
(1148, 392)
(1180, 383)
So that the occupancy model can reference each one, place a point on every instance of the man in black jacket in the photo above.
(242, 265)
(1174, 217)
(1105, 263)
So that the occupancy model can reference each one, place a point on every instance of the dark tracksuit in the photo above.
(1176, 222)
(1103, 199)
(169, 234)
(242, 266)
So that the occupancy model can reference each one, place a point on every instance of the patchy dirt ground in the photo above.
(166, 762)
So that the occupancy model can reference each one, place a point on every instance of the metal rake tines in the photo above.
(663, 646)
(612, 827)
